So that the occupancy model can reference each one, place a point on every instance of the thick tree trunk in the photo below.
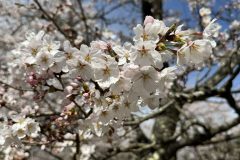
(164, 128)
(152, 8)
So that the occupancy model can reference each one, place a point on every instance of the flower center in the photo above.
(34, 51)
(69, 55)
(143, 51)
(44, 59)
(106, 71)
(145, 37)
(88, 58)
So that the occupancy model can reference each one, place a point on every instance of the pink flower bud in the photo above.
(85, 95)
(148, 19)
(59, 119)
(31, 73)
(79, 78)
(103, 45)
(74, 84)
(100, 45)
(31, 80)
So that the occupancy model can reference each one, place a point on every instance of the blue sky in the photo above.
(182, 7)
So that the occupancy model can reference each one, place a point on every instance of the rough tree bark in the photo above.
(164, 128)
(152, 8)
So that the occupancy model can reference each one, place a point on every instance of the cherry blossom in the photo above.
(102, 84)
(144, 54)
(194, 52)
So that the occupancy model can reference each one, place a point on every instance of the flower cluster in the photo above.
(20, 128)
(105, 82)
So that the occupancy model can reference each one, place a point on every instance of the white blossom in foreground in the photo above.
(211, 30)
(151, 30)
(194, 52)
(71, 53)
(106, 74)
(123, 53)
(145, 81)
(144, 54)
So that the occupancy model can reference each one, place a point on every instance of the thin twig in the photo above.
(13, 87)
(152, 115)
(53, 21)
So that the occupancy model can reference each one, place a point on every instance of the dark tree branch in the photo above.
(84, 18)
(53, 21)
